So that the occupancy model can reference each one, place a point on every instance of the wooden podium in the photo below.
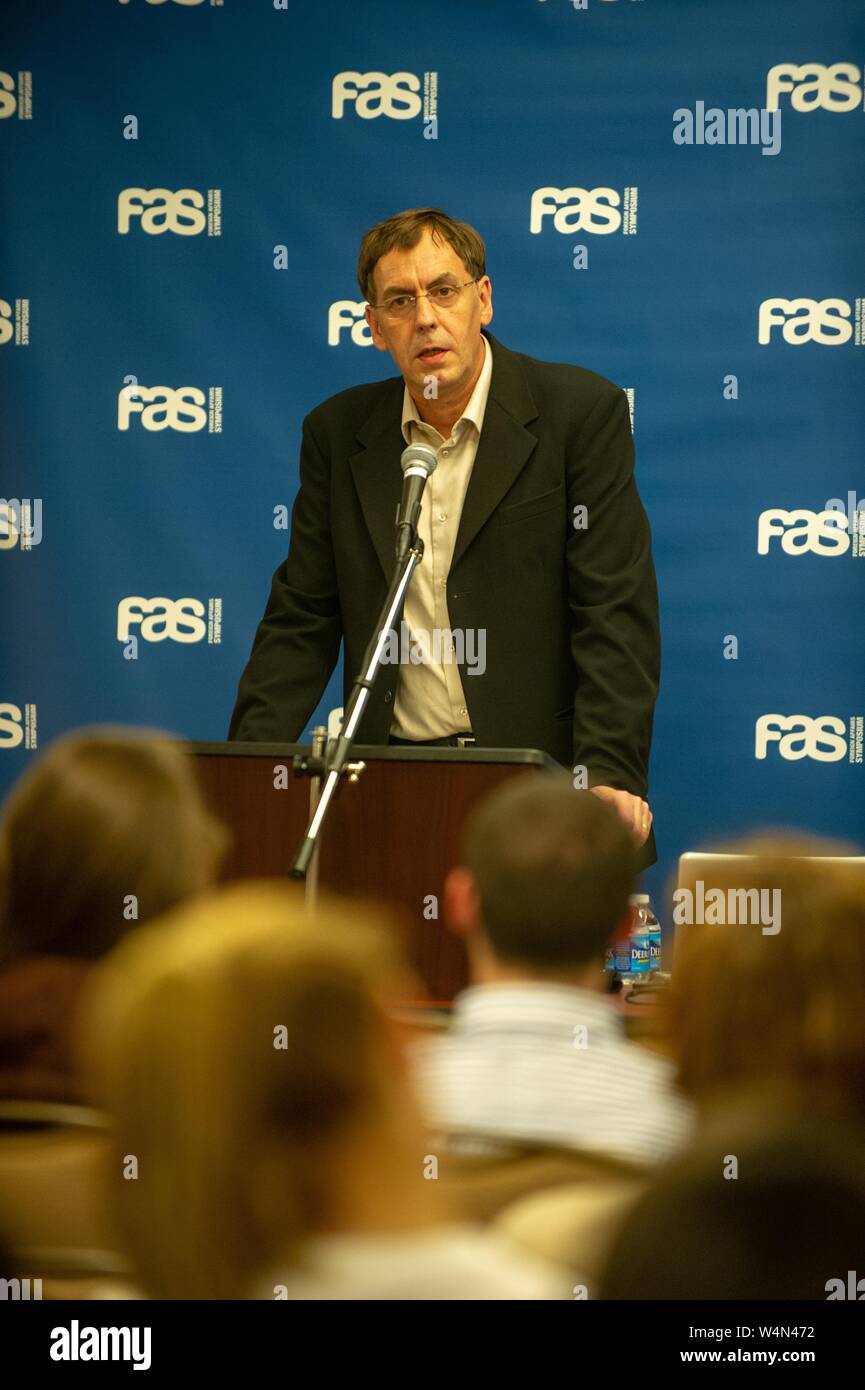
(392, 835)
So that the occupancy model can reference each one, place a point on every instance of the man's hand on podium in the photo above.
(633, 810)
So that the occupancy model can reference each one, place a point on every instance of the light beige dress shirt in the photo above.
(430, 700)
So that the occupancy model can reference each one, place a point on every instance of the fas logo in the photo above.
(600, 211)
(797, 736)
(184, 408)
(158, 210)
(829, 322)
(814, 86)
(374, 94)
(168, 619)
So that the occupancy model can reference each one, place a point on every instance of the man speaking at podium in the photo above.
(537, 567)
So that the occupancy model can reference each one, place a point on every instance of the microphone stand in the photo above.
(333, 766)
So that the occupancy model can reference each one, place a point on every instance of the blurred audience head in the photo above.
(782, 1004)
(769, 1205)
(107, 828)
(544, 878)
(243, 1049)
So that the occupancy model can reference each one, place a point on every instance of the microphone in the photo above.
(418, 461)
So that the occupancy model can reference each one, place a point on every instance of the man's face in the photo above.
(433, 341)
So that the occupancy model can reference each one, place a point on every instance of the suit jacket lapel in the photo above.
(504, 448)
(377, 474)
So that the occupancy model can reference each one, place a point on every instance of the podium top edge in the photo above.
(379, 753)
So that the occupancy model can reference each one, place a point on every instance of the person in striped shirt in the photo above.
(535, 1052)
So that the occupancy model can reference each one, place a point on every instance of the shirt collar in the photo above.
(473, 413)
(532, 1006)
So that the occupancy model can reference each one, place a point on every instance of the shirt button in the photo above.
(463, 709)
(443, 516)
(388, 696)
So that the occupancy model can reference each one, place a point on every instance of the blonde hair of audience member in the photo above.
(104, 814)
(246, 1147)
(784, 1011)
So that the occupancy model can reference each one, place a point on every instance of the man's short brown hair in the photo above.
(404, 231)
(553, 868)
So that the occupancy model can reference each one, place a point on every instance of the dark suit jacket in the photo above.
(571, 615)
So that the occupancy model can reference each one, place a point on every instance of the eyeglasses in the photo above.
(401, 306)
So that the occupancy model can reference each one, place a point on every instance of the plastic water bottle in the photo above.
(654, 941)
(641, 903)
(640, 936)
(637, 953)
(617, 959)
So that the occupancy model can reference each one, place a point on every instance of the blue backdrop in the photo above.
(185, 186)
